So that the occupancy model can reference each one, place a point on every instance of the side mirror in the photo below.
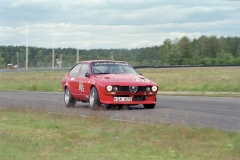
(87, 74)
(141, 74)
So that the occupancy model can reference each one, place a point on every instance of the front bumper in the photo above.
(137, 98)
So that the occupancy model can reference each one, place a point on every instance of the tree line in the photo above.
(201, 51)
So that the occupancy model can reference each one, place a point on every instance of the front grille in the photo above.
(139, 98)
(126, 88)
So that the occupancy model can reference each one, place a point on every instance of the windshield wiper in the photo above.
(101, 73)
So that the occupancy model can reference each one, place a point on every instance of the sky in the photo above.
(114, 24)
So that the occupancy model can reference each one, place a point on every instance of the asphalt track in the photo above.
(215, 112)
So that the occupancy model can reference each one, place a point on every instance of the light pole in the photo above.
(17, 53)
(53, 53)
(112, 56)
(27, 49)
(77, 55)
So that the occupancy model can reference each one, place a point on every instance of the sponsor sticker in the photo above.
(81, 87)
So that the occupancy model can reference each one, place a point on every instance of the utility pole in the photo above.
(17, 53)
(78, 46)
(27, 50)
(77, 55)
(111, 55)
(61, 60)
(53, 54)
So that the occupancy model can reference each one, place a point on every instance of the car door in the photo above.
(73, 83)
(83, 82)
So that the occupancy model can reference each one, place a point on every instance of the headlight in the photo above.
(148, 88)
(114, 88)
(154, 88)
(109, 88)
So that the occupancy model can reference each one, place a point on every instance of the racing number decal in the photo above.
(81, 87)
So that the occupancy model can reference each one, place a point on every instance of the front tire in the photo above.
(150, 106)
(94, 102)
(68, 99)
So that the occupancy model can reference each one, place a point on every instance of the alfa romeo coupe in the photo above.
(108, 83)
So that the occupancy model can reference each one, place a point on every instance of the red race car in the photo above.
(108, 83)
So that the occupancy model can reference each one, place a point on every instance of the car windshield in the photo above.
(112, 68)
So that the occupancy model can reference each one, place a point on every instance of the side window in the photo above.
(74, 71)
(84, 69)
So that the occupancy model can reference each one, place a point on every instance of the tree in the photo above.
(174, 55)
(225, 58)
(1, 61)
(223, 45)
(213, 47)
(185, 47)
(202, 43)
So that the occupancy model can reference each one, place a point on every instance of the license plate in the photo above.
(122, 98)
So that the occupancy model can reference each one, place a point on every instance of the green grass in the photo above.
(32, 81)
(197, 79)
(211, 79)
(31, 135)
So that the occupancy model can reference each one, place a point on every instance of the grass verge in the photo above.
(33, 135)
(195, 79)
(32, 81)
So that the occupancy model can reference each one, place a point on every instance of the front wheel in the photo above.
(150, 106)
(68, 99)
(94, 102)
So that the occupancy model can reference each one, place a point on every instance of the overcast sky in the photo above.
(106, 24)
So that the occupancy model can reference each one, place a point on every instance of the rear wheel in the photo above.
(94, 102)
(68, 99)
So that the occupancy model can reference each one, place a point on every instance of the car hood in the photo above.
(124, 78)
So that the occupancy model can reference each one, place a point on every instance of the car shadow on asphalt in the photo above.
(110, 108)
